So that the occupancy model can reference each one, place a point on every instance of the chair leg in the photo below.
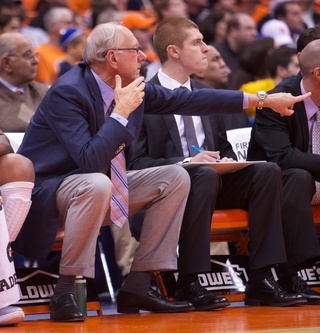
(106, 271)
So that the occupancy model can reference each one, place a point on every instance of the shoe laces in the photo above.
(198, 289)
(299, 284)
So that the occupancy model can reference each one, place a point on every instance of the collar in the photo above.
(171, 83)
(310, 107)
(10, 86)
(107, 92)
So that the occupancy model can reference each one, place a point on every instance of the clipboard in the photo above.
(221, 167)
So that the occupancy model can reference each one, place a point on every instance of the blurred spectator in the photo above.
(290, 12)
(241, 31)
(230, 5)
(216, 76)
(72, 42)
(141, 27)
(214, 26)
(9, 23)
(279, 31)
(57, 19)
(43, 6)
(170, 8)
(20, 95)
(306, 37)
(253, 62)
(280, 64)
(195, 8)
(10, 7)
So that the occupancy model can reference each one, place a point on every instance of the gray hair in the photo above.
(101, 39)
(9, 42)
(55, 14)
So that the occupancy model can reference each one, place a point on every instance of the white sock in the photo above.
(16, 198)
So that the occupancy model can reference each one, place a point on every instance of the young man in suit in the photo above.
(257, 188)
(88, 120)
(289, 143)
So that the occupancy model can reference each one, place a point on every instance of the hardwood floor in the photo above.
(236, 318)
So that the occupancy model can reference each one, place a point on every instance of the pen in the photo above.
(200, 150)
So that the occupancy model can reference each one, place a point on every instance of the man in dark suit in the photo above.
(256, 188)
(288, 142)
(73, 140)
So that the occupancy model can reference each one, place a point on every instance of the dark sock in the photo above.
(257, 275)
(286, 273)
(186, 279)
(137, 283)
(65, 285)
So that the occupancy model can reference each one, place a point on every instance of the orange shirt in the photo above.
(48, 66)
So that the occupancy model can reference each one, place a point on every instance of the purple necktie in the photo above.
(120, 193)
(316, 150)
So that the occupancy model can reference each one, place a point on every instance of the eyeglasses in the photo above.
(29, 55)
(136, 49)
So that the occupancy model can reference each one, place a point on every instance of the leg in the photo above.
(163, 193)
(16, 187)
(194, 242)
(299, 232)
(82, 201)
(258, 189)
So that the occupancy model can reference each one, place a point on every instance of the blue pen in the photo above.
(200, 150)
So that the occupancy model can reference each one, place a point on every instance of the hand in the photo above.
(283, 102)
(128, 98)
(206, 156)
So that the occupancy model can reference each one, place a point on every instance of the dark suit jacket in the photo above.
(159, 142)
(69, 135)
(284, 140)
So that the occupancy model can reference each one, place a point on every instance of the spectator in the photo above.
(16, 186)
(20, 94)
(279, 31)
(216, 76)
(50, 53)
(214, 26)
(241, 31)
(253, 62)
(9, 23)
(72, 42)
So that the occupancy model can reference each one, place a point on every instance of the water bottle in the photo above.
(81, 294)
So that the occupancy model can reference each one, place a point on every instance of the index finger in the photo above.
(301, 97)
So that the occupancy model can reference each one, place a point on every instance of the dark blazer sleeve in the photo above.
(284, 140)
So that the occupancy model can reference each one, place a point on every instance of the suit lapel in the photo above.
(95, 91)
(171, 123)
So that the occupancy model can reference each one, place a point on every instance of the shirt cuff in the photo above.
(120, 119)
(245, 103)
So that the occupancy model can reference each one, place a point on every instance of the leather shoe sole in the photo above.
(153, 302)
(65, 309)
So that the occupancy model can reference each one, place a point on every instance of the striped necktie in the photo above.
(316, 150)
(120, 193)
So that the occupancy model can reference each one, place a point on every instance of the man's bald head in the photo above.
(310, 58)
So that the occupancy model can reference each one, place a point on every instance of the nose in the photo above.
(142, 56)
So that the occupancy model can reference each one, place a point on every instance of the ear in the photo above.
(5, 65)
(111, 57)
(173, 51)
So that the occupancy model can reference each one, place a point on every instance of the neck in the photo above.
(175, 72)
(314, 88)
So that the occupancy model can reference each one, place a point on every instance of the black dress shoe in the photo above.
(153, 301)
(298, 285)
(65, 309)
(199, 297)
(269, 292)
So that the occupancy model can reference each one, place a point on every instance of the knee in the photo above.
(18, 168)
(98, 185)
(207, 179)
(299, 179)
(179, 176)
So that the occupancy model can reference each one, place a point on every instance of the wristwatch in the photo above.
(262, 96)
